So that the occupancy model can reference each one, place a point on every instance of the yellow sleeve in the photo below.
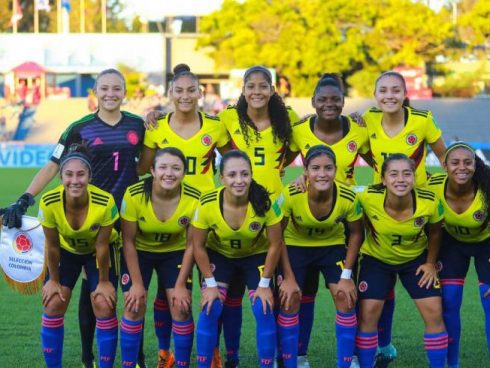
(223, 137)
(150, 136)
(274, 215)
(129, 212)
(293, 116)
(433, 132)
(438, 214)
(111, 213)
(284, 202)
(355, 211)
(46, 216)
(200, 220)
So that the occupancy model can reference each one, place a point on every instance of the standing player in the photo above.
(197, 135)
(315, 238)
(465, 194)
(77, 220)
(347, 140)
(395, 127)
(396, 244)
(114, 138)
(242, 231)
(156, 213)
(260, 125)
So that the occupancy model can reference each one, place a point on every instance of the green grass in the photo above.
(20, 315)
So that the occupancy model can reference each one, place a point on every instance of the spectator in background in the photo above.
(3, 129)
(284, 87)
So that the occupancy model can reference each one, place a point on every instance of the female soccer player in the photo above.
(347, 140)
(315, 238)
(114, 139)
(197, 134)
(395, 127)
(77, 219)
(396, 244)
(465, 194)
(242, 231)
(156, 213)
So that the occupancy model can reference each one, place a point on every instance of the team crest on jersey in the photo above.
(22, 243)
(419, 221)
(184, 221)
(352, 146)
(479, 215)
(95, 227)
(206, 140)
(124, 278)
(132, 137)
(363, 286)
(412, 139)
(254, 226)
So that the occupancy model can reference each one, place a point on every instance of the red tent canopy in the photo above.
(29, 70)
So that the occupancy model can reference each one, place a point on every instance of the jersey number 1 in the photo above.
(116, 160)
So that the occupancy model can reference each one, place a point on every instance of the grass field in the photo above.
(20, 316)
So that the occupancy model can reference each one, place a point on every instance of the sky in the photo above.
(157, 9)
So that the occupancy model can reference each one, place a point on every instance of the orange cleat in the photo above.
(216, 363)
(166, 359)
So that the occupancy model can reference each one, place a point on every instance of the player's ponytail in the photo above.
(259, 198)
(257, 194)
(278, 112)
(481, 178)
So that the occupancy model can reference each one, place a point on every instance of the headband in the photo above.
(453, 146)
(78, 156)
(320, 149)
(258, 68)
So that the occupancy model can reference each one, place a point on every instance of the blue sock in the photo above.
(106, 331)
(485, 302)
(52, 334)
(345, 330)
(306, 316)
(265, 333)
(207, 332)
(385, 323)
(163, 322)
(183, 337)
(436, 348)
(131, 332)
(452, 297)
(366, 345)
(288, 331)
(232, 326)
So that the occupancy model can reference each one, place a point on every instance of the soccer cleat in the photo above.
(385, 355)
(89, 365)
(216, 363)
(166, 359)
(355, 362)
(141, 364)
(232, 364)
(303, 362)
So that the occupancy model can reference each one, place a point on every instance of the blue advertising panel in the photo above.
(24, 155)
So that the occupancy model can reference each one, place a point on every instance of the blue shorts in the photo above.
(455, 256)
(227, 269)
(71, 266)
(328, 260)
(377, 278)
(166, 264)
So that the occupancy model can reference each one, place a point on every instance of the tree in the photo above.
(474, 24)
(304, 38)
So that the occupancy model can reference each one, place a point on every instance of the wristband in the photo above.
(210, 282)
(346, 274)
(264, 282)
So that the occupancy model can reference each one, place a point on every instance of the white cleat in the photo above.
(303, 362)
(355, 362)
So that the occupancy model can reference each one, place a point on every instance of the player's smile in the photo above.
(328, 103)
(168, 171)
(460, 165)
(257, 91)
(390, 93)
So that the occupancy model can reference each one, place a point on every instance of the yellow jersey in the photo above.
(102, 211)
(154, 235)
(468, 226)
(392, 241)
(245, 241)
(266, 153)
(420, 129)
(346, 150)
(305, 230)
(198, 149)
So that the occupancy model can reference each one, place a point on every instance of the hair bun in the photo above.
(181, 68)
